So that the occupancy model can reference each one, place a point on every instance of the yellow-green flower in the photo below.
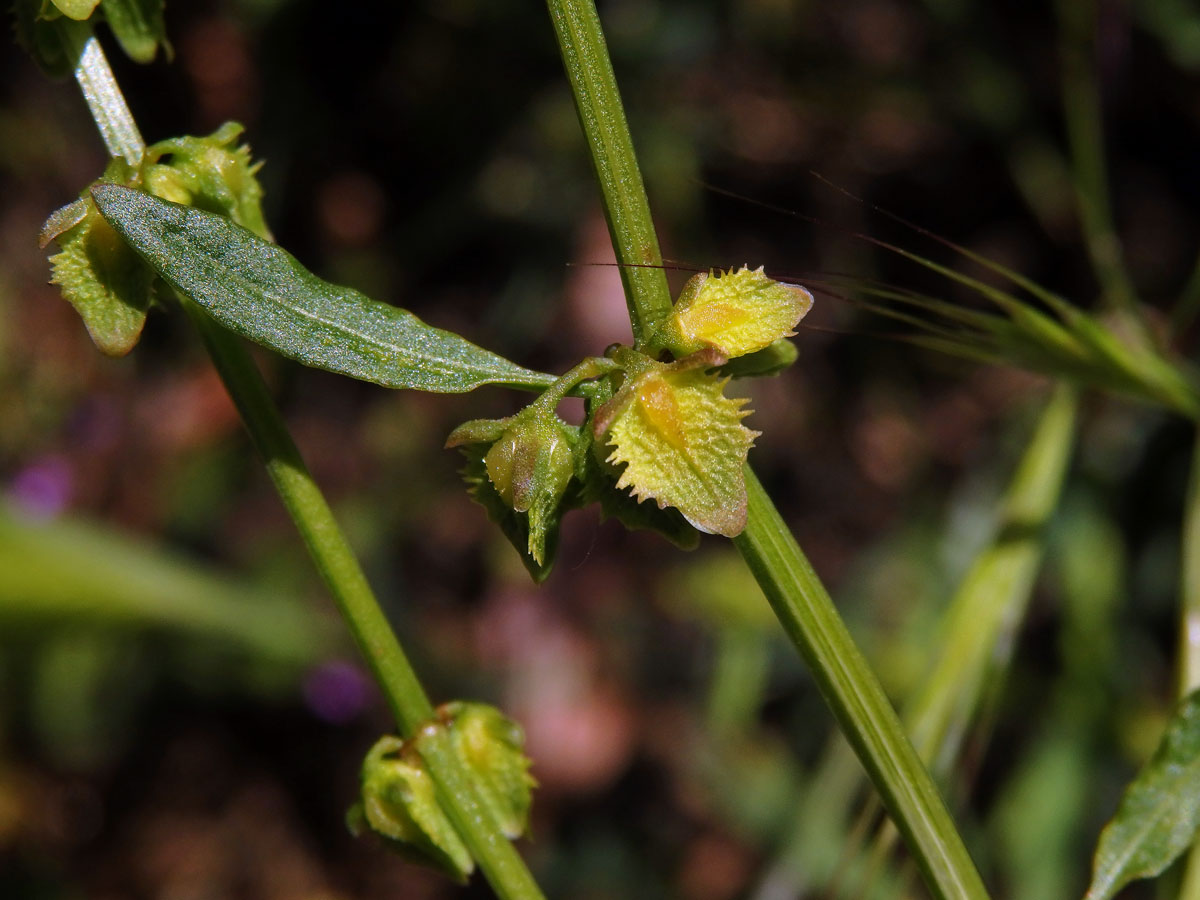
(680, 440)
(734, 313)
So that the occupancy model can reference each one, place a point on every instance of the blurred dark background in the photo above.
(181, 715)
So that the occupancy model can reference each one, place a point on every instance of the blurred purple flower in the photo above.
(42, 489)
(338, 691)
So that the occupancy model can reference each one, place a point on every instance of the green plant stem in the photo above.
(568, 382)
(1189, 635)
(1189, 625)
(327, 545)
(799, 599)
(598, 102)
(315, 521)
(107, 104)
(336, 562)
(857, 699)
(1085, 136)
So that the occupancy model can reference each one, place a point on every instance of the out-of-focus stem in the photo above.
(1187, 307)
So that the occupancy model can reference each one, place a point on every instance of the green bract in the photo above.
(734, 313)
(52, 39)
(211, 173)
(399, 801)
(76, 9)
(106, 282)
(138, 26)
(680, 440)
(54, 31)
(490, 745)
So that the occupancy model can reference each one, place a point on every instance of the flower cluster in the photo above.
(656, 430)
(398, 799)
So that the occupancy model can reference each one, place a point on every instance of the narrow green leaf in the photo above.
(261, 292)
(1160, 813)
(978, 630)
(1070, 345)
(138, 26)
(69, 572)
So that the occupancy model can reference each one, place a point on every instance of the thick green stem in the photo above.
(585, 56)
(857, 699)
(326, 543)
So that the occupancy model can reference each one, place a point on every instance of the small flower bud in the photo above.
(399, 801)
(526, 472)
(530, 464)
